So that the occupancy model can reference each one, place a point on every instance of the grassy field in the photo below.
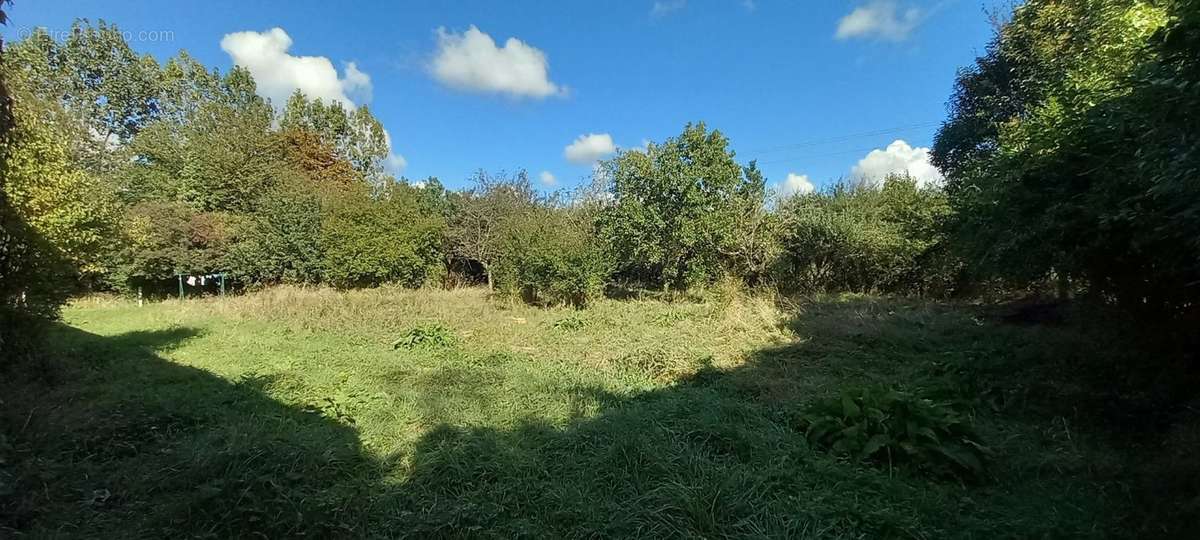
(291, 412)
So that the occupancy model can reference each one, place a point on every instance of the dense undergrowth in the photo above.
(289, 413)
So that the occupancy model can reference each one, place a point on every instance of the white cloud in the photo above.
(880, 19)
(394, 163)
(357, 83)
(277, 74)
(472, 61)
(795, 184)
(663, 8)
(589, 148)
(547, 178)
(900, 158)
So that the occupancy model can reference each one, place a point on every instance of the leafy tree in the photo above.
(58, 202)
(217, 157)
(676, 207)
(484, 215)
(356, 135)
(388, 238)
(281, 241)
(98, 78)
(1071, 151)
(33, 278)
(306, 152)
(855, 237)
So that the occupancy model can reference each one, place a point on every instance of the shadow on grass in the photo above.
(723, 454)
(131, 444)
(127, 444)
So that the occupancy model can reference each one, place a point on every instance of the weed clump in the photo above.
(428, 336)
(570, 323)
(895, 428)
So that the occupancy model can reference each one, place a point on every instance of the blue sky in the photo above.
(806, 88)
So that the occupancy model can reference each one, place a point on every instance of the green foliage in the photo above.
(69, 211)
(389, 238)
(863, 238)
(355, 135)
(893, 428)
(1071, 151)
(677, 207)
(220, 154)
(427, 336)
(95, 75)
(549, 255)
(281, 241)
(162, 239)
(570, 323)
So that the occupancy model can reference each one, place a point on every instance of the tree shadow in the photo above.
(721, 453)
(125, 443)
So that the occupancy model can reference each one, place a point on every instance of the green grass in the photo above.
(290, 413)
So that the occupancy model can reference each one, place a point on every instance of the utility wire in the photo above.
(844, 138)
(825, 154)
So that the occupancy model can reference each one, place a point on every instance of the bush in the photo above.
(552, 256)
(894, 428)
(863, 239)
(281, 242)
(162, 239)
(389, 238)
(677, 209)
(433, 336)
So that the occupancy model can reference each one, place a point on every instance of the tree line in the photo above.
(1070, 155)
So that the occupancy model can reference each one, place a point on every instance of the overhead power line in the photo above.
(845, 138)
(823, 154)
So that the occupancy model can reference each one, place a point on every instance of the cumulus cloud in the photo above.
(879, 19)
(663, 8)
(589, 148)
(356, 83)
(394, 163)
(471, 61)
(277, 73)
(795, 184)
(547, 178)
(898, 158)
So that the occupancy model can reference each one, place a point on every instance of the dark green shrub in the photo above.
(864, 239)
(894, 428)
(387, 238)
(281, 242)
(431, 336)
(552, 256)
(679, 210)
